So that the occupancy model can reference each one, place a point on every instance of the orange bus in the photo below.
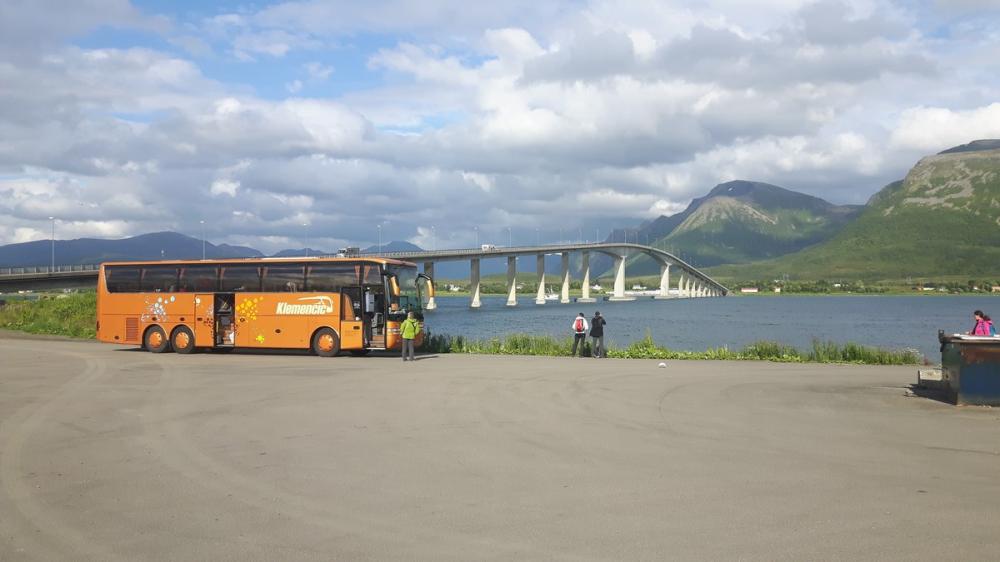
(326, 305)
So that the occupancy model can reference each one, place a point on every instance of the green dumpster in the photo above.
(970, 367)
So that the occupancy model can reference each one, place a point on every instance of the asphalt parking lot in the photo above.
(108, 453)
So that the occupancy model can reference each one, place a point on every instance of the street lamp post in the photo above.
(52, 265)
(379, 227)
(537, 234)
(510, 239)
(202, 239)
(306, 226)
(434, 240)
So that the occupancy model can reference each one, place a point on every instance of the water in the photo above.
(895, 322)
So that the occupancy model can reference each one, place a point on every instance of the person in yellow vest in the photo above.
(409, 330)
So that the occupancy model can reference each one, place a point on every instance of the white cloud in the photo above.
(519, 114)
(932, 129)
(224, 187)
(318, 71)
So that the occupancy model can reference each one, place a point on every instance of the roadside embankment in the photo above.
(73, 315)
(646, 348)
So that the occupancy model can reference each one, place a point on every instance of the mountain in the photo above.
(942, 218)
(738, 222)
(169, 245)
(299, 252)
(394, 246)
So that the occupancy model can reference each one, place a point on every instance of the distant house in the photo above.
(749, 290)
(777, 289)
(995, 288)
(596, 287)
(638, 288)
(837, 285)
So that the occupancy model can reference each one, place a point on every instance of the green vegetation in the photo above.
(741, 221)
(942, 220)
(646, 348)
(73, 315)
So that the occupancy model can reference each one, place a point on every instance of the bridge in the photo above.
(688, 281)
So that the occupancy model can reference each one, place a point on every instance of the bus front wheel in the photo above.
(156, 340)
(326, 343)
(182, 340)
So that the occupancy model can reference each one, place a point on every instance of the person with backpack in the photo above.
(983, 325)
(597, 335)
(579, 334)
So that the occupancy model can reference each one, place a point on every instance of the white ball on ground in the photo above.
(662, 365)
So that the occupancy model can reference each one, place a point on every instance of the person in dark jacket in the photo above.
(597, 334)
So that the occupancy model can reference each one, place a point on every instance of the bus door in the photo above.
(374, 309)
(351, 318)
(204, 325)
(226, 325)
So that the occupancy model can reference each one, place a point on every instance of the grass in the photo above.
(71, 315)
(646, 348)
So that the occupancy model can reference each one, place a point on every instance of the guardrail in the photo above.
(45, 269)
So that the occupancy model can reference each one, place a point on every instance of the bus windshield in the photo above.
(409, 299)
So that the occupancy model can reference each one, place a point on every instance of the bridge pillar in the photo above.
(429, 271)
(511, 280)
(564, 294)
(585, 291)
(619, 291)
(474, 283)
(664, 282)
(687, 287)
(540, 267)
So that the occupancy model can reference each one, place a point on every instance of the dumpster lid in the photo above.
(967, 339)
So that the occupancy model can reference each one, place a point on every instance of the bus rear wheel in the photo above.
(326, 342)
(182, 340)
(156, 340)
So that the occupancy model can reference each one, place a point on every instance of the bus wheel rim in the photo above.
(155, 339)
(326, 342)
(182, 340)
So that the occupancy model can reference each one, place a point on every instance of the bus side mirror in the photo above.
(394, 286)
(430, 284)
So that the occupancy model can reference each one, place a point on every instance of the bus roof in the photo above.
(386, 261)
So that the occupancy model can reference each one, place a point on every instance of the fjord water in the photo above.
(895, 322)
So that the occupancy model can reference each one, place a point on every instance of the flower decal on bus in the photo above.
(156, 309)
(249, 307)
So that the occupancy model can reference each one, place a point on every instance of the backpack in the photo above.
(578, 325)
(993, 329)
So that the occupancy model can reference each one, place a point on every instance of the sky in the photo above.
(443, 122)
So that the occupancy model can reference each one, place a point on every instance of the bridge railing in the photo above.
(45, 269)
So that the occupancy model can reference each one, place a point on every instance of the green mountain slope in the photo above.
(942, 219)
(743, 221)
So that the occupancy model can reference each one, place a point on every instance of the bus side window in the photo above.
(122, 278)
(282, 278)
(159, 278)
(240, 278)
(199, 278)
